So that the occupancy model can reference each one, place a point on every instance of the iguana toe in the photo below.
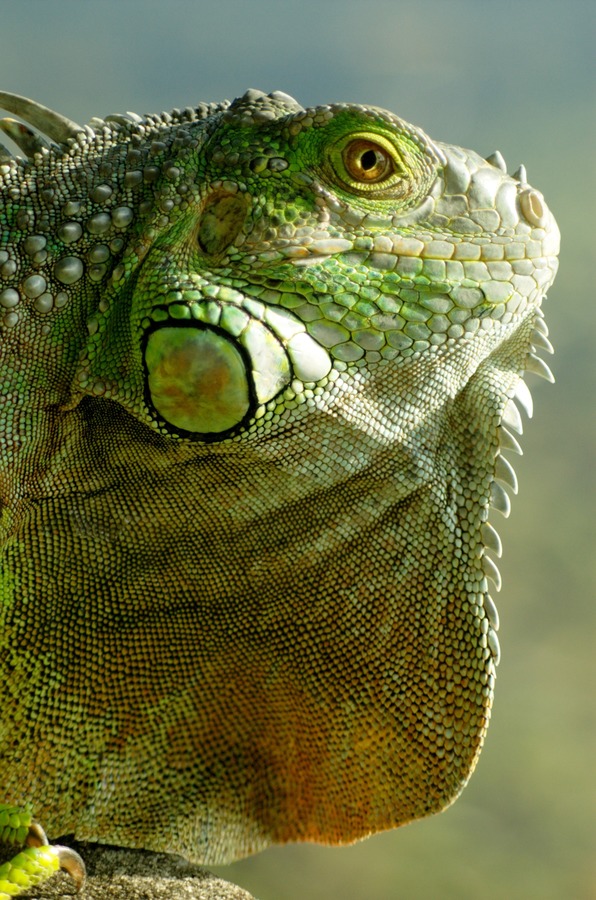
(38, 861)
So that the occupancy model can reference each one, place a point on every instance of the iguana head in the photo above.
(237, 259)
(306, 227)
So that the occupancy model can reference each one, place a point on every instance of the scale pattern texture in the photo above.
(259, 365)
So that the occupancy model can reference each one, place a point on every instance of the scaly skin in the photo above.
(256, 367)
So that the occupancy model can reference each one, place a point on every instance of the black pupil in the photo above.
(368, 160)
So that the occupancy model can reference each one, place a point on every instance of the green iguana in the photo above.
(258, 365)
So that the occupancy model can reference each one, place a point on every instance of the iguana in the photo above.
(258, 367)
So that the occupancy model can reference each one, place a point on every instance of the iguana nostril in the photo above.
(532, 207)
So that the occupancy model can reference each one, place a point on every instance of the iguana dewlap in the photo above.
(256, 364)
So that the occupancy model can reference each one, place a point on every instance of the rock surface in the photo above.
(114, 873)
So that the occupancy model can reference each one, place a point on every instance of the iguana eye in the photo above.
(368, 164)
(367, 161)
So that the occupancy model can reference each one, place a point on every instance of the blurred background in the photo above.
(518, 76)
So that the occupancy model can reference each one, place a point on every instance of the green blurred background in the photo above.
(514, 76)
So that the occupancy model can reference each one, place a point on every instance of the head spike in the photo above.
(537, 365)
(126, 119)
(496, 159)
(50, 123)
(508, 442)
(524, 398)
(540, 325)
(24, 137)
(505, 472)
(499, 498)
(491, 571)
(511, 417)
(493, 645)
(520, 175)
(491, 539)
(540, 342)
(491, 611)
(5, 153)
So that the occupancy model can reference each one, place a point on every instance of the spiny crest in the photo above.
(43, 130)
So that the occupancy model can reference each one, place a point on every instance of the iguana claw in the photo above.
(36, 836)
(70, 862)
(38, 861)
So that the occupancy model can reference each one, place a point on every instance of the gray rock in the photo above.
(114, 873)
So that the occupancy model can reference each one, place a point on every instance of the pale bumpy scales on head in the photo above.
(259, 367)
